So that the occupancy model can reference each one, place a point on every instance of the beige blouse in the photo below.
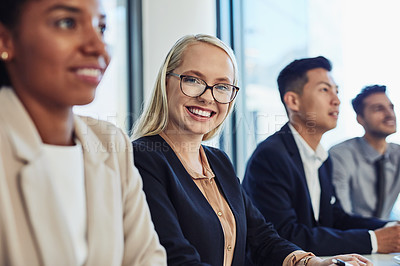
(207, 185)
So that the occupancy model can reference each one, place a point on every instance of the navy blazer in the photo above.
(187, 225)
(276, 183)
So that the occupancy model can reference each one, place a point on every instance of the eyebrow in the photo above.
(69, 9)
(64, 7)
(197, 73)
(328, 84)
(381, 104)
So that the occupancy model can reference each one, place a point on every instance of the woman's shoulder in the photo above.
(107, 133)
(150, 144)
(99, 136)
(147, 140)
(153, 150)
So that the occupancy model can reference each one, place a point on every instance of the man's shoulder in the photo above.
(274, 148)
(393, 150)
(273, 143)
(394, 146)
(347, 145)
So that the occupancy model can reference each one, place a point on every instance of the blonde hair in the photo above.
(154, 117)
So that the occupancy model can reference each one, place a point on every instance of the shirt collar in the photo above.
(370, 154)
(320, 154)
(207, 172)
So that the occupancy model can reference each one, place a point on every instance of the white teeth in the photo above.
(200, 112)
(89, 72)
(390, 122)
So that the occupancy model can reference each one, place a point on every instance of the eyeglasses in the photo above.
(195, 87)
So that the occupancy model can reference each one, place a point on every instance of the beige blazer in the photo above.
(33, 230)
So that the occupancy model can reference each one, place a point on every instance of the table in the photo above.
(382, 259)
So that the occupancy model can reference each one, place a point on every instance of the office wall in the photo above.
(164, 22)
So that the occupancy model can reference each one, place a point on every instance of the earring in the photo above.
(4, 55)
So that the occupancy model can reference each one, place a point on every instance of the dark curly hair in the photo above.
(358, 101)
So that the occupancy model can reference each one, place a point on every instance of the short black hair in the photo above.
(358, 101)
(293, 77)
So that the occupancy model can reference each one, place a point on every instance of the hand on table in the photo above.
(388, 239)
(350, 259)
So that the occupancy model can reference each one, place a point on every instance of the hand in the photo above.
(352, 259)
(388, 239)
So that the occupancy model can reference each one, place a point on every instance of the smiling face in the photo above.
(378, 117)
(318, 105)
(200, 115)
(57, 52)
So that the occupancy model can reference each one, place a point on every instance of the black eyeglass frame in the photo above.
(235, 92)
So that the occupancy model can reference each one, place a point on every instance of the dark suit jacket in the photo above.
(276, 183)
(187, 226)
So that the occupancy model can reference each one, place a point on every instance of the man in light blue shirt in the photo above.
(363, 186)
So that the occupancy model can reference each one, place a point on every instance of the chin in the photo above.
(84, 100)
(330, 127)
(388, 133)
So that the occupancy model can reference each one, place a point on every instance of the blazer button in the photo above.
(333, 200)
(219, 213)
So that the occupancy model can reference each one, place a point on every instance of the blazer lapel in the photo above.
(328, 199)
(183, 176)
(291, 146)
(103, 198)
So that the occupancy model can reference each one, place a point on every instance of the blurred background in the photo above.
(360, 37)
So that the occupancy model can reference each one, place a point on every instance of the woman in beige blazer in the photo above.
(69, 194)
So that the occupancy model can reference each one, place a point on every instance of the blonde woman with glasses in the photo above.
(201, 213)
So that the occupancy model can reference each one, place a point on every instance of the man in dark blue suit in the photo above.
(289, 176)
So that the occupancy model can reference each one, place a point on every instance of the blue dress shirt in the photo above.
(355, 178)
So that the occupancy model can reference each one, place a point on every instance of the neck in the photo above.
(311, 136)
(379, 144)
(55, 125)
(58, 132)
(188, 147)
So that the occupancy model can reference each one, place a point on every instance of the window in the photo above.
(357, 36)
(354, 35)
(110, 103)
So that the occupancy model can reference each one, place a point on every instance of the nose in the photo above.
(206, 95)
(94, 44)
(335, 99)
(389, 112)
